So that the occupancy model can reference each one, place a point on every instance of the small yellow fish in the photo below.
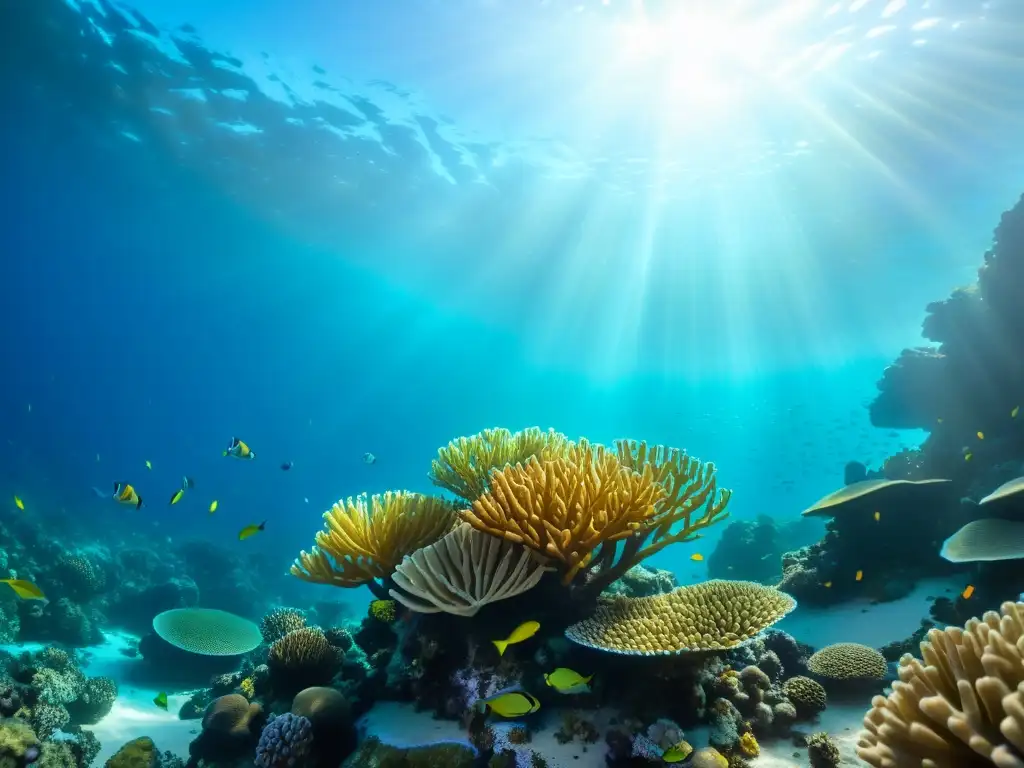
(213, 506)
(566, 680)
(19, 503)
(512, 704)
(878, 516)
(177, 496)
(161, 700)
(967, 456)
(251, 530)
(827, 585)
(1014, 412)
(26, 590)
(149, 464)
(697, 557)
(677, 753)
(981, 435)
(524, 631)
(859, 576)
(968, 591)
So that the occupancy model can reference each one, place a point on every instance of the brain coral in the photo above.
(960, 706)
(848, 661)
(807, 696)
(710, 616)
(279, 622)
(207, 631)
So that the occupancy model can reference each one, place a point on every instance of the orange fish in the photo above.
(859, 576)
(968, 591)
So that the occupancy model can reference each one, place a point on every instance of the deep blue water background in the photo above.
(147, 314)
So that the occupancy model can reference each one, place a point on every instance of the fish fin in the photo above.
(501, 645)
(138, 504)
(587, 679)
(252, 455)
(262, 526)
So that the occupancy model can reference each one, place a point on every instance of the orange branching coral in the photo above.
(365, 539)
(566, 507)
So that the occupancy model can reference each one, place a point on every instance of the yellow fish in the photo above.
(967, 456)
(878, 516)
(149, 464)
(565, 680)
(512, 704)
(251, 530)
(125, 494)
(981, 435)
(19, 503)
(677, 753)
(186, 483)
(1014, 412)
(827, 585)
(697, 557)
(177, 496)
(524, 631)
(213, 506)
(161, 700)
(239, 450)
(968, 591)
(26, 590)
(859, 576)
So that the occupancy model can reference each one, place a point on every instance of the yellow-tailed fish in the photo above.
(967, 456)
(125, 494)
(161, 700)
(149, 464)
(186, 483)
(980, 434)
(524, 631)
(859, 576)
(26, 590)
(968, 591)
(213, 506)
(567, 681)
(251, 530)
(19, 503)
(1014, 412)
(878, 516)
(239, 450)
(177, 496)
(697, 557)
(512, 704)
(677, 753)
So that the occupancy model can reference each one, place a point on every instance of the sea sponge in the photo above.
(464, 571)
(807, 695)
(848, 661)
(300, 659)
(749, 746)
(279, 622)
(207, 631)
(286, 741)
(364, 539)
(464, 465)
(714, 615)
(960, 706)
(822, 751)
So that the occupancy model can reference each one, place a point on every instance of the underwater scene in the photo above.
(512, 384)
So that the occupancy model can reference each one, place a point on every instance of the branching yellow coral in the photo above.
(465, 464)
(566, 507)
(365, 539)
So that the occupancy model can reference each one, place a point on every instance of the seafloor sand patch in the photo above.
(841, 721)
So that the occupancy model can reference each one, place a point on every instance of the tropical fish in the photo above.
(859, 576)
(369, 458)
(213, 506)
(967, 456)
(697, 557)
(968, 591)
(177, 496)
(149, 464)
(566, 680)
(878, 516)
(677, 753)
(161, 700)
(26, 590)
(512, 704)
(186, 483)
(251, 530)
(19, 503)
(981, 435)
(287, 465)
(1014, 412)
(524, 631)
(125, 494)
(239, 450)
(827, 585)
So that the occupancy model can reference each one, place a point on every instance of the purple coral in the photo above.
(285, 742)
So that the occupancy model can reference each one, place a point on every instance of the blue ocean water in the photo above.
(339, 228)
